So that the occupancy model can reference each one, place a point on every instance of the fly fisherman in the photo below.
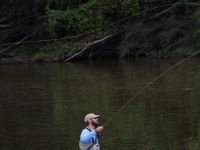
(89, 138)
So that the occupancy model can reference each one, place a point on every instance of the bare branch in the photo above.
(91, 44)
(17, 43)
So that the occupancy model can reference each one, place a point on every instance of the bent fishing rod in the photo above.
(147, 85)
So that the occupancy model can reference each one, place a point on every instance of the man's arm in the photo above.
(87, 136)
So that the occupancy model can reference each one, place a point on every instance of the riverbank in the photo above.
(61, 59)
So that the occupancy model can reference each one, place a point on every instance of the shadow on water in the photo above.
(43, 106)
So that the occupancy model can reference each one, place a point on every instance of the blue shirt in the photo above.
(89, 140)
(88, 136)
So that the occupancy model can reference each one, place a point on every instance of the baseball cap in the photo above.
(90, 116)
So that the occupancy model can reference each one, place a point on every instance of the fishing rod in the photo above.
(99, 29)
(154, 79)
(147, 85)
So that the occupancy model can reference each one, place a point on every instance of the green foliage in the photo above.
(176, 30)
(130, 6)
(74, 21)
(54, 51)
(170, 35)
(87, 16)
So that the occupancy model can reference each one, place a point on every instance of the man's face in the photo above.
(95, 121)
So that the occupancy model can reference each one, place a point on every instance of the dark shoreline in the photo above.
(31, 60)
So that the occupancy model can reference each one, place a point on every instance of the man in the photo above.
(89, 138)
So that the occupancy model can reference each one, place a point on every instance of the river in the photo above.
(42, 106)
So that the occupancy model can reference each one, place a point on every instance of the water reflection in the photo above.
(42, 106)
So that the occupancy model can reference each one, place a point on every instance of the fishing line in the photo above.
(99, 29)
(148, 84)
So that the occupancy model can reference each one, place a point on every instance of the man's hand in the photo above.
(99, 129)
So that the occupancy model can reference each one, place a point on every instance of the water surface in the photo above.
(42, 106)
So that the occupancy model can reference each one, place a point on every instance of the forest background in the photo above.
(56, 30)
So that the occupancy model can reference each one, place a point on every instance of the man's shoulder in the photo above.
(86, 130)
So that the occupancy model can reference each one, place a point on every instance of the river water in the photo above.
(42, 107)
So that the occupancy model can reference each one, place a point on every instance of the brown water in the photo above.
(42, 106)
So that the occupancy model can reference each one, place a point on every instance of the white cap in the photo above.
(90, 116)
